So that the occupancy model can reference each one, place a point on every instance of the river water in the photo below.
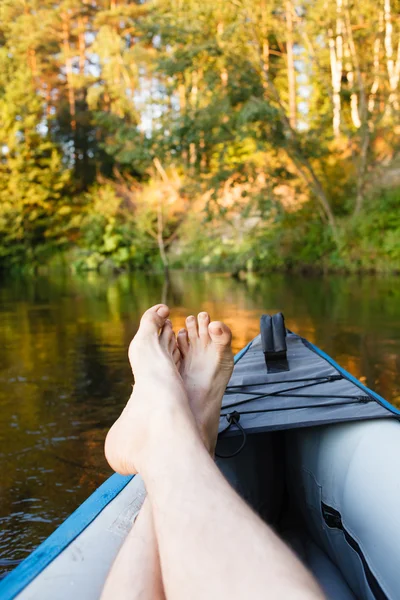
(64, 375)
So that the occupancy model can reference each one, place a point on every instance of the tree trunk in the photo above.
(192, 154)
(365, 135)
(194, 90)
(355, 117)
(182, 108)
(81, 44)
(48, 107)
(336, 59)
(264, 46)
(68, 70)
(160, 232)
(392, 65)
(362, 169)
(303, 165)
(363, 110)
(290, 65)
(32, 62)
(293, 149)
(203, 155)
(375, 83)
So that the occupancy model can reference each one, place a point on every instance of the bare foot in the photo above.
(157, 394)
(207, 364)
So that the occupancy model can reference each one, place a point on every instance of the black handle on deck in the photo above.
(273, 338)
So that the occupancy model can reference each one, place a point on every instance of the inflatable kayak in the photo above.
(314, 452)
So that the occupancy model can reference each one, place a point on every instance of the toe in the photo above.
(166, 335)
(203, 320)
(172, 343)
(191, 325)
(220, 333)
(153, 319)
(177, 357)
(183, 342)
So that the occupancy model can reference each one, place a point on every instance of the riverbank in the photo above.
(280, 241)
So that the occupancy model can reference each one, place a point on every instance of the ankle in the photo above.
(171, 441)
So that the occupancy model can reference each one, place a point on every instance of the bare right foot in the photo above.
(206, 367)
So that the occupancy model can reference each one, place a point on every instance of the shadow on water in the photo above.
(64, 374)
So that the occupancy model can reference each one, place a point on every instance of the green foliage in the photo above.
(109, 236)
(203, 134)
(33, 179)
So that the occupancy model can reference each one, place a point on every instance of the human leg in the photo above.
(206, 367)
(210, 542)
(136, 572)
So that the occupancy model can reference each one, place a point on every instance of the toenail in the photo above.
(203, 315)
(218, 331)
(182, 331)
(190, 319)
(162, 311)
(168, 322)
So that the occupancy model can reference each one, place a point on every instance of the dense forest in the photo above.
(236, 135)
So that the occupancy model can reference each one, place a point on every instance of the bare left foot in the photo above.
(158, 398)
(207, 364)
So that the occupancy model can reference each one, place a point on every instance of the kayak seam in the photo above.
(20, 577)
(374, 395)
(372, 580)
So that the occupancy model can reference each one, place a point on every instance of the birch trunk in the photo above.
(376, 66)
(182, 107)
(355, 115)
(203, 155)
(336, 60)
(392, 64)
(193, 104)
(356, 65)
(195, 89)
(365, 134)
(290, 65)
(264, 45)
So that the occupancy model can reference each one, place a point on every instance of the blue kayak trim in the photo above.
(73, 526)
(69, 530)
(353, 379)
(241, 353)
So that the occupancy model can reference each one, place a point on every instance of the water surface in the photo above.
(64, 375)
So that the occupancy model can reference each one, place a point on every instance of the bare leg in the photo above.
(206, 367)
(136, 572)
(210, 542)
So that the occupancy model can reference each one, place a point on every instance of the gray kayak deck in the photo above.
(75, 559)
(314, 391)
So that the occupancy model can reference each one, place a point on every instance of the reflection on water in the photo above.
(64, 375)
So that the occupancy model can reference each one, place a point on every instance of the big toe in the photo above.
(153, 319)
(220, 334)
